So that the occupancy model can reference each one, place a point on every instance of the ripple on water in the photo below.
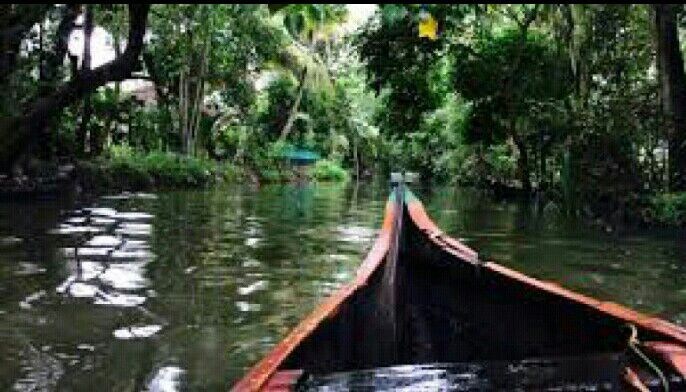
(338, 257)
(104, 241)
(72, 252)
(27, 302)
(117, 299)
(26, 269)
(110, 269)
(129, 195)
(101, 211)
(80, 290)
(355, 234)
(70, 230)
(245, 306)
(40, 371)
(131, 255)
(136, 332)
(98, 221)
(251, 263)
(257, 286)
(132, 216)
(125, 276)
(252, 242)
(134, 230)
(166, 379)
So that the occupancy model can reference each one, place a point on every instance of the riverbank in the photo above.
(632, 211)
(124, 169)
(160, 170)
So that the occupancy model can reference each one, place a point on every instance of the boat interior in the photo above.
(424, 314)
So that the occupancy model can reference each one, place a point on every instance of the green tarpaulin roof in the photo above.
(300, 156)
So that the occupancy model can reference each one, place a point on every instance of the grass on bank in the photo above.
(123, 167)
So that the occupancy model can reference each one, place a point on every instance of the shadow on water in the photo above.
(187, 289)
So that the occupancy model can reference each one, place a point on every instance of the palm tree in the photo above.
(306, 26)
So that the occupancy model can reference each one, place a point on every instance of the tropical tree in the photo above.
(23, 127)
(670, 65)
(197, 51)
(308, 26)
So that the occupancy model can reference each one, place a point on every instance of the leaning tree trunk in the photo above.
(17, 131)
(673, 91)
(197, 106)
(296, 106)
(82, 132)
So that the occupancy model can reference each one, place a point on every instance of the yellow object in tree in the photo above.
(428, 27)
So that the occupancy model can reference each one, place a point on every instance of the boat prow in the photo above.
(423, 311)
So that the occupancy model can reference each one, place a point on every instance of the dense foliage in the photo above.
(564, 100)
(584, 105)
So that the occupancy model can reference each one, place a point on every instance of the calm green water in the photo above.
(184, 290)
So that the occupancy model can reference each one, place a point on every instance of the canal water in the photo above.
(185, 290)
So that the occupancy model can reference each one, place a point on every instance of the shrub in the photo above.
(327, 170)
(668, 209)
(124, 167)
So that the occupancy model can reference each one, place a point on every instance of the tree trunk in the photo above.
(114, 113)
(508, 88)
(356, 158)
(163, 100)
(60, 47)
(673, 91)
(296, 106)
(21, 18)
(52, 58)
(82, 133)
(523, 165)
(17, 131)
(184, 115)
(153, 71)
(196, 108)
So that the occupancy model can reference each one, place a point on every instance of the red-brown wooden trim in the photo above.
(609, 308)
(633, 380)
(424, 223)
(675, 354)
(258, 375)
(282, 381)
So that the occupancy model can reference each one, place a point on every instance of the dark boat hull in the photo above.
(423, 298)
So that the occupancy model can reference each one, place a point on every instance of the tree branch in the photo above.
(17, 20)
(69, 12)
(17, 132)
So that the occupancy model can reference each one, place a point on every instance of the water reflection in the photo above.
(184, 290)
(167, 379)
(137, 332)
(107, 259)
(42, 371)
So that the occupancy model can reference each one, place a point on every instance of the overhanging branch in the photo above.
(17, 132)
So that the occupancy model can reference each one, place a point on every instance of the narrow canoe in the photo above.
(425, 313)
